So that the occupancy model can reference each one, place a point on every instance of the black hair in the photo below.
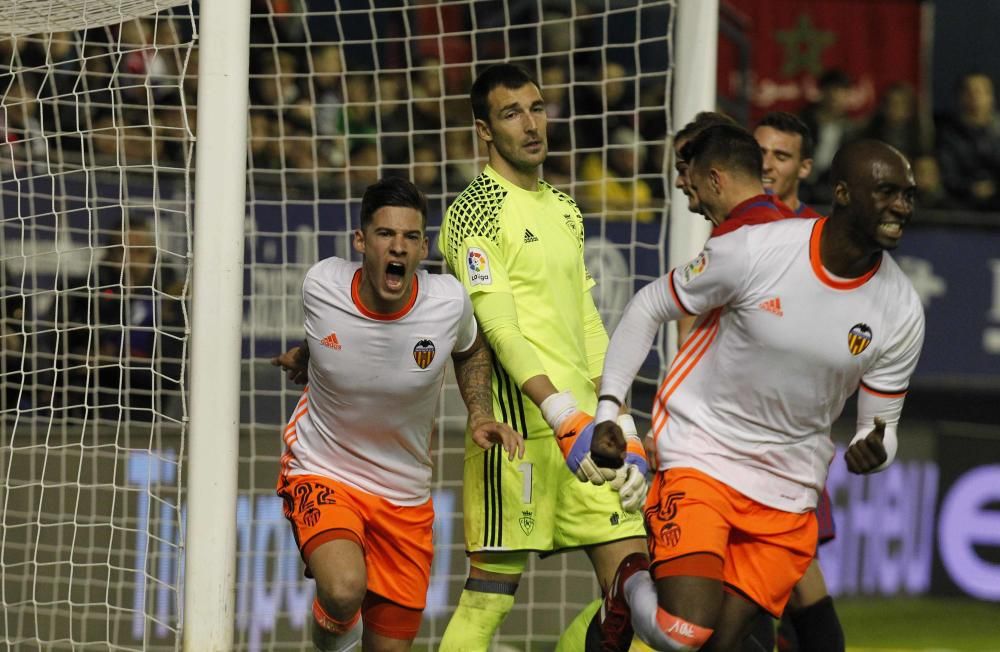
(392, 191)
(702, 121)
(507, 75)
(790, 124)
(728, 146)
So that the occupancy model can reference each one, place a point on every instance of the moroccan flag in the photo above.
(791, 43)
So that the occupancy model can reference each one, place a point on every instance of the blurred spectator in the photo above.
(555, 86)
(427, 165)
(21, 138)
(931, 193)
(460, 159)
(327, 95)
(426, 93)
(393, 116)
(968, 145)
(615, 191)
(897, 122)
(831, 126)
(117, 331)
(602, 108)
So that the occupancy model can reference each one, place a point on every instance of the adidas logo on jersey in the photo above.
(772, 306)
(331, 341)
(529, 236)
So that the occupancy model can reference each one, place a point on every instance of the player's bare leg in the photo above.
(338, 567)
(811, 614)
(736, 618)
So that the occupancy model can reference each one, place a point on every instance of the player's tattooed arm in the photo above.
(472, 371)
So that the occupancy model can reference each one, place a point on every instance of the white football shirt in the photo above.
(780, 347)
(374, 381)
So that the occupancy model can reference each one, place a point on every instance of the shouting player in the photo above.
(356, 473)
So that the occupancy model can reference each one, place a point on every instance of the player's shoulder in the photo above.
(780, 233)
(900, 286)
(475, 210)
(440, 285)
(558, 195)
(333, 270)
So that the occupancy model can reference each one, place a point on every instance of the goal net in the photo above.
(96, 179)
(342, 95)
(95, 144)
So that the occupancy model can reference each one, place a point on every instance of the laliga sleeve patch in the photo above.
(479, 267)
(690, 271)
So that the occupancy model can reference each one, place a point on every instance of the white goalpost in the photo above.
(158, 210)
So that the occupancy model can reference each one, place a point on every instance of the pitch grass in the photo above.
(919, 624)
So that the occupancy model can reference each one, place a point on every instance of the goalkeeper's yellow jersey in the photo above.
(498, 237)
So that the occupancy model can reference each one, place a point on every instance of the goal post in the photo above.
(216, 331)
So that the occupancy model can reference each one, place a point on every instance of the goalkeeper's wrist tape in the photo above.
(607, 410)
(556, 407)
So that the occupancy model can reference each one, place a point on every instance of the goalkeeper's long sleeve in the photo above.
(497, 317)
(595, 336)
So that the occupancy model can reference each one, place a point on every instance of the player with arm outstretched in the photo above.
(356, 473)
(801, 314)
(516, 244)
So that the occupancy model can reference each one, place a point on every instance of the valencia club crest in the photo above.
(858, 339)
(423, 353)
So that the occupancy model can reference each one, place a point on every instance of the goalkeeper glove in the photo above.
(630, 479)
(574, 431)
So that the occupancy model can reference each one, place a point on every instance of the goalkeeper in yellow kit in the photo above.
(516, 244)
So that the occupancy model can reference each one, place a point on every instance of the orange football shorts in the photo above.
(397, 541)
(765, 551)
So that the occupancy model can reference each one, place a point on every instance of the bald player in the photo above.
(801, 314)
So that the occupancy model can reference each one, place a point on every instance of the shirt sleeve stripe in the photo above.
(884, 393)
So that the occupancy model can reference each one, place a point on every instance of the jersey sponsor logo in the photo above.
(331, 341)
(479, 267)
(527, 522)
(423, 353)
(772, 305)
(694, 268)
(529, 236)
(858, 339)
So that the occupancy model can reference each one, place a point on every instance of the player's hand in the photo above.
(630, 480)
(866, 454)
(296, 362)
(630, 483)
(486, 433)
(574, 430)
(574, 437)
(608, 445)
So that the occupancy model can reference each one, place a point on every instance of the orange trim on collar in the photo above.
(356, 298)
(820, 271)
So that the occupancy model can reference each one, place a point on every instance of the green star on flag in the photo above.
(804, 45)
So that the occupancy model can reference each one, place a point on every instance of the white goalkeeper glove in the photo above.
(630, 479)
(574, 431)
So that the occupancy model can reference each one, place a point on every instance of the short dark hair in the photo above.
(507, 75)
(701, 122)
(833, 78)
(729, 146)
(392, 191)
(790, 124)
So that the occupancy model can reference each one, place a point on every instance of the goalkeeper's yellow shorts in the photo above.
(536, 504)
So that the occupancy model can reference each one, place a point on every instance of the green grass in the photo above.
(925, 624)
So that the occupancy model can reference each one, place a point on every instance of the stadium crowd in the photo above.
(329, 115)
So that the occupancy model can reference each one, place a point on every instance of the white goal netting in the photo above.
(97, 115)
(95, 178)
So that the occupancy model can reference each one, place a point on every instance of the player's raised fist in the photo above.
(607, 447)
(865, 455)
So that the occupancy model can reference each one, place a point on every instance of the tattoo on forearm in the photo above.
(473, 376)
